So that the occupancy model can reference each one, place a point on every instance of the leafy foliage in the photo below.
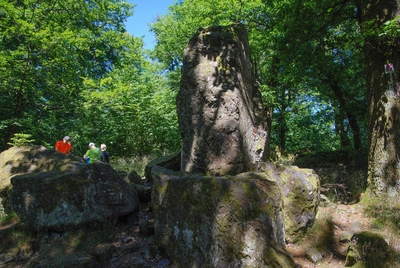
(21, 139)
(310, 73)
(47, 49)
(135, 118)
(70, 68)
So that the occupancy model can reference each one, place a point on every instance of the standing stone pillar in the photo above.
(220, 111)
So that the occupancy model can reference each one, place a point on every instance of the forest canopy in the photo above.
(70, 68)
(78, 58)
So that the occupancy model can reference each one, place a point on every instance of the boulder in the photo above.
(300, 189)
(28, 159)
(140, 185)
(171, 162)
(367, 249)
(61, 201)
(226, 221)
(221, 116)
(133, 177)
(33, 158)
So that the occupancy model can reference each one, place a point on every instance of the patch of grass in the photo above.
(72, 247)
(52, 249)
(16, 238)
(386, 213)
(137, 163)
(9, 218)
(385, 210)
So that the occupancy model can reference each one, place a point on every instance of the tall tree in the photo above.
(47, 49)
(379, 21)
(134, 110)
(318, 55)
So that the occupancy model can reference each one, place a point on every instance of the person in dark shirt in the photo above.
(104, 154)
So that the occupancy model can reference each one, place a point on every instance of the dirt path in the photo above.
(344, 221)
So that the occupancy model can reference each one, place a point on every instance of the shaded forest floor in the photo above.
(132, 248)
(343, 179)
(336, 224)
(128, 242)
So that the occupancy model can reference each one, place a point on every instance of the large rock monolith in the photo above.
(220, 111)
(224, 206)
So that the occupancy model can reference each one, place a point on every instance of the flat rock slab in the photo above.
(229, 221)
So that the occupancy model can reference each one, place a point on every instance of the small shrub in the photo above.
(21, 139)
(384, 209)
(280, 158)
(17, 238)
(8, 218)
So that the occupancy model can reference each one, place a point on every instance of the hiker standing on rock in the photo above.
(104, 154)
(63, 146)
(94, 154)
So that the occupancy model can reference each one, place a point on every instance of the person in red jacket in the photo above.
(63, 146)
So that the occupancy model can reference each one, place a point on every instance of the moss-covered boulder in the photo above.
(61, 201)
(300, 190)
(28, 159)
(230, 221)
(367, 249)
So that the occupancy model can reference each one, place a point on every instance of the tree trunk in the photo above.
(355, 128)
(340, 129)
(383, 97)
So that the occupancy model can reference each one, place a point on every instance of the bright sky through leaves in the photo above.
(145, 12)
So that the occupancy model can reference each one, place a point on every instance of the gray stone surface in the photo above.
(315, 254)
(172, 162)
(300, 190)
(229, 221)
(29, 159)
(61, 201)
(220, 111)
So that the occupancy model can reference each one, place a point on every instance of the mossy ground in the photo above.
(50, 249)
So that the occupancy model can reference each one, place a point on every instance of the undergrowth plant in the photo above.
(21, 139)
(8, 218)
(320, 235)
(385, 209)
(136, 163)
(17, 238)
(280, 158)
